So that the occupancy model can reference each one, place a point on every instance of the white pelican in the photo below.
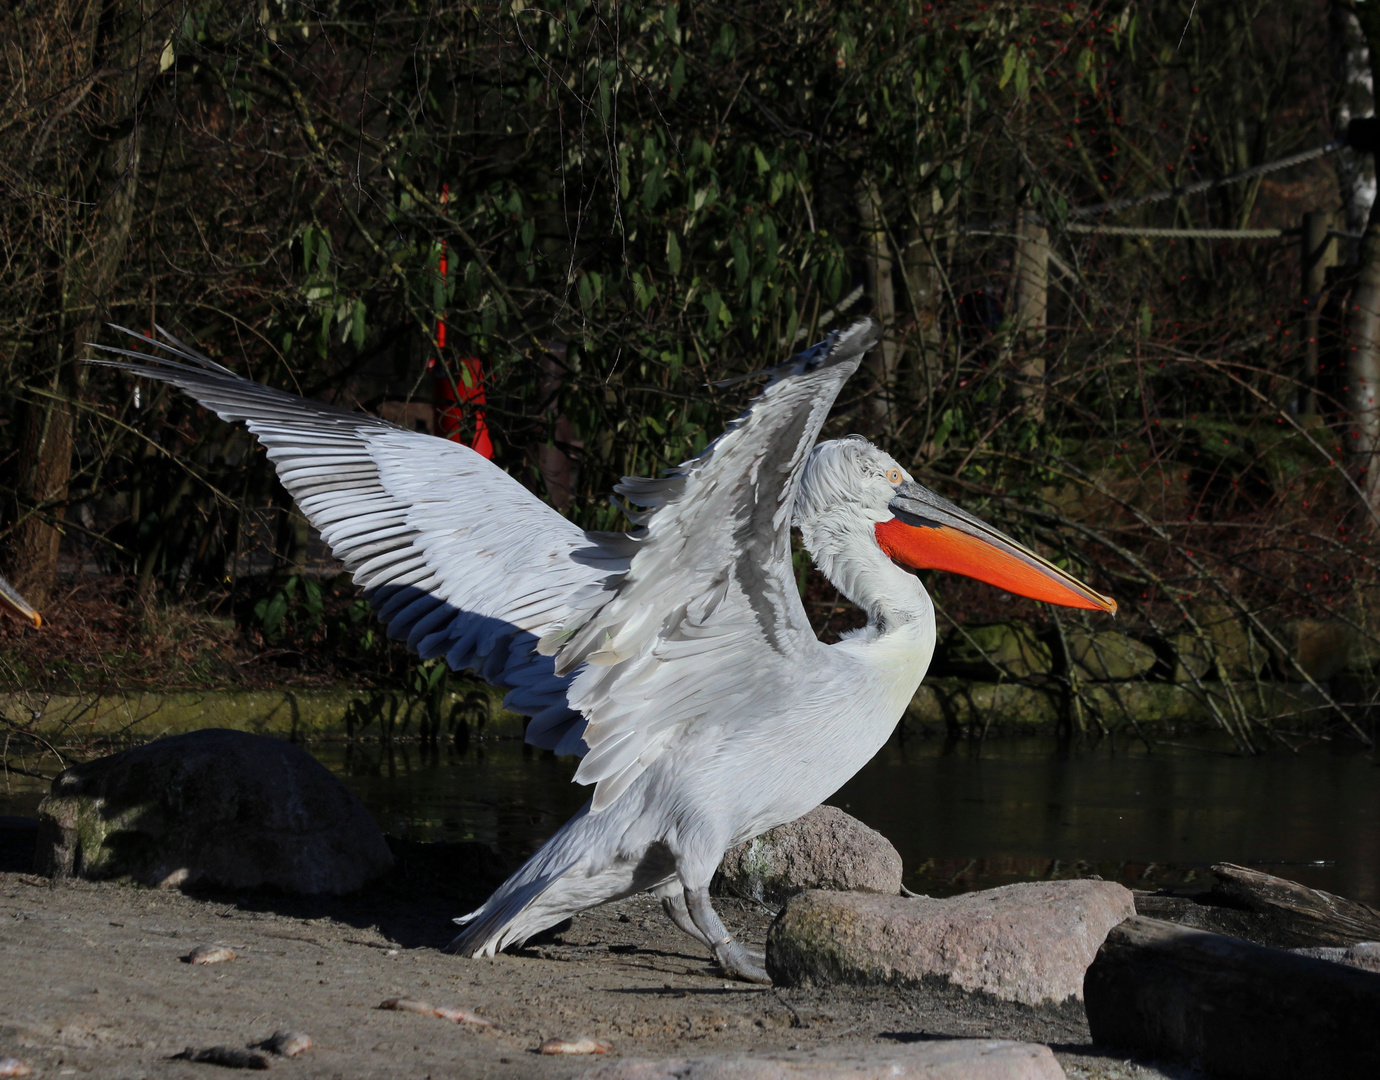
(677, 660)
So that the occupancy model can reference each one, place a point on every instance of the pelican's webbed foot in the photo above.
(732, 957)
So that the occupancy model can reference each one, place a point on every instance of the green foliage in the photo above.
(296, 607)
(680, 194)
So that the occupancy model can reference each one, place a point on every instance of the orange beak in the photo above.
(930, 533)
(11, 601)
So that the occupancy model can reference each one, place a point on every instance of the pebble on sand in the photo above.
(13, 1067)
(229, 1056)
(408, 1005)
(209, 954)
(457, 1015)
(453, 1013)
(287, 1043)
(574, 1046)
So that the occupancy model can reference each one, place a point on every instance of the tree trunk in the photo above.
(1319, 254)
(1032, 311)
(116, 37)
(882, 289)
(924, 276)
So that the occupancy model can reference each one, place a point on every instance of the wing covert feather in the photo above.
(455, 556)
(709, 601)
(612, 643)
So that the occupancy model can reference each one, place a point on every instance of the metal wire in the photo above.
(1186, 234)
(1117, 205)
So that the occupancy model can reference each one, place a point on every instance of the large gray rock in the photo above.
(825, 849)
(1030, 943)
(210, 807)
(943, 1059)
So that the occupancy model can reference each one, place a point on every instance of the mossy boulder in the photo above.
(222, 808)
(1225, 640)
(1106, 656)
(1323, 648)
(994, 650)
(825, 849)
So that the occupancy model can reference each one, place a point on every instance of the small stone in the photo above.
(1030, 943)
(825, 849)
(287, 1043)
(457, 1015)
(216, 807)
(400, 1004)
(209, 954)
(940, 1059)
(574, 1046)
(228, 1056)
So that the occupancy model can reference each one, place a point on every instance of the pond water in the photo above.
(962, 815)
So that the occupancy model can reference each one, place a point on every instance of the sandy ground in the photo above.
(93, 985)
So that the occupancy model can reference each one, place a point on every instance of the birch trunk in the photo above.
(1355, 84)
(1363, 361)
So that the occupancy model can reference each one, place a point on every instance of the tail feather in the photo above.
(509, 917)
(580, 867)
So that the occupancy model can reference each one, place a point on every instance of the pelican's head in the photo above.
(11, 601)
(849, 485)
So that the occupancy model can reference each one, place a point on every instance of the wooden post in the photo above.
(1319, 252)
(1032, 309)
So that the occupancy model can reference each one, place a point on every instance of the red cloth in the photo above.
(452, 399)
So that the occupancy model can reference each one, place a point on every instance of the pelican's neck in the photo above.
(847, 553)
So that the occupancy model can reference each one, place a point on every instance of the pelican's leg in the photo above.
(732, 957)
(672, 897)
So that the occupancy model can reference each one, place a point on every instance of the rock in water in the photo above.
(210, 807)
(825, 849)
(1030, 943)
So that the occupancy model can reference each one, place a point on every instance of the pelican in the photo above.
(14, 604)
(676, 660)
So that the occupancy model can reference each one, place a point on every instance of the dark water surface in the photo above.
(962, 816)
(966, 816)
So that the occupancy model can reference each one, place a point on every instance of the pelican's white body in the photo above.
(794, 735)
(678, 660)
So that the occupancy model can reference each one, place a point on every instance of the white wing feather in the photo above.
(456, 556)
(708, 618)
(643, 640)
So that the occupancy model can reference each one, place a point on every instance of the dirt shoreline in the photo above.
(94, 985)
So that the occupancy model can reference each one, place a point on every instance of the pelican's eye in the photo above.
(893, 476)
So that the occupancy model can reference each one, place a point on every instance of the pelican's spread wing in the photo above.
(455, 555)
(709, 604)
